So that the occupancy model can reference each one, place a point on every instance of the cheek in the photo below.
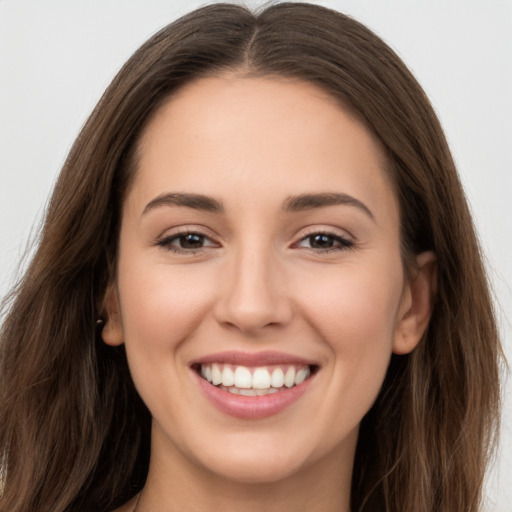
(161, 306)
(349, 303)
(355, 315)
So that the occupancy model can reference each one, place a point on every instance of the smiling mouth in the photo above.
(254, 381)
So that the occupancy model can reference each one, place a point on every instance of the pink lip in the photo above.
(263, 358)
(252, 407)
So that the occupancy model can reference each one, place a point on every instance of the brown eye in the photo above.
(187, 242)
(191, 241)
(321, 241)
(325, 242)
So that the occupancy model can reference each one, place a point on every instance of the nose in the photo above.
(253, 293)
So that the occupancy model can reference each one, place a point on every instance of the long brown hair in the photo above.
(74, 435)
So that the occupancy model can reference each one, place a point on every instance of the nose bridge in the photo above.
(254, 295)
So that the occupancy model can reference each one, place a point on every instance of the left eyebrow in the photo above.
(310, 201)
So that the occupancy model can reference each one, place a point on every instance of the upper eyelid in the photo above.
(326, 233)
(331, 230)
(184, 230)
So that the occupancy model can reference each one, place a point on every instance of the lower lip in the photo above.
(252, 407)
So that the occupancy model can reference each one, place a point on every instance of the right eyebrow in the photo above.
(195, 201)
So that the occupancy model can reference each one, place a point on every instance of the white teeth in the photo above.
(302, 375)
(216, 375)
(228, 377)
(243, 377)
(289, 378)
(277, 379)
(260, 378)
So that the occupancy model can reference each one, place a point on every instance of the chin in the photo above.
(261, 459)
(247, 471)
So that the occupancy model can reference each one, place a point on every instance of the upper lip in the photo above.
(263, 358)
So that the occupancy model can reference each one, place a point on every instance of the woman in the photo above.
(258, 282)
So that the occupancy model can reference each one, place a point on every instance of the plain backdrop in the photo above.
(57, 56)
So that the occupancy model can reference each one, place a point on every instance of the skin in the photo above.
(259, 282)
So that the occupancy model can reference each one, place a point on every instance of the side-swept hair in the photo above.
(74, 434)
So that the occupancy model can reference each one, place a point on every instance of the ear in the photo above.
(416, 304)
(112, 332)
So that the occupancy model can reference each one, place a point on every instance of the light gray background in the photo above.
(57, 56)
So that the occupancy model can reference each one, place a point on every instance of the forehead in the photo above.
(263, 135)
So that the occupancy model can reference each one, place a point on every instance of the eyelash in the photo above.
(166, 242)
(343, 244)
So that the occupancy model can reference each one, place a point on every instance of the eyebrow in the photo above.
(310, 201)
(298, 203)
(195, 201)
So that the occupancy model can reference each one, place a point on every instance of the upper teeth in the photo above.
(261, 377)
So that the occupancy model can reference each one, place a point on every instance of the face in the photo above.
(260, 288)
